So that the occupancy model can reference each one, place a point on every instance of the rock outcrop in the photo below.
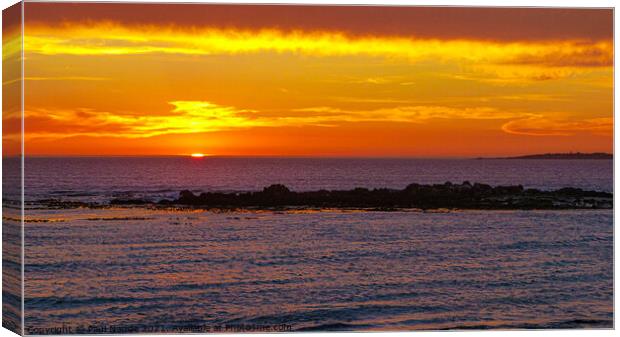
(447, 195)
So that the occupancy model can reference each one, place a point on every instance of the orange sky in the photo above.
(137, 79)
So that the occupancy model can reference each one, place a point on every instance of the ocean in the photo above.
(139, 269)
(101, 178)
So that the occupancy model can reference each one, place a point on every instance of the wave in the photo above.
(566, 324)
(335, 327)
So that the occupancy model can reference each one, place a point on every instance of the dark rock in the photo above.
(447, 195)
(129, 202)
(277, 189)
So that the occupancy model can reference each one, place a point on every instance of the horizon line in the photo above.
(189, 155)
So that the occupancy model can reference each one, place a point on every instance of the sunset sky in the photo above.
(138, 79)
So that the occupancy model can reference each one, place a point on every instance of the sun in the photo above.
(197, 155)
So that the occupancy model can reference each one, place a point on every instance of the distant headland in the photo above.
(568, 155)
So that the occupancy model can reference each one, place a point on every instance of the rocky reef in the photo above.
(447, 195)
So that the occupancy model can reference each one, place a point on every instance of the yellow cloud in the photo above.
(199, 117)
(11, 46)
(531, 60)
(542, 126)
(186, 117)
(189, 117)
(410, 114)
(56, 78)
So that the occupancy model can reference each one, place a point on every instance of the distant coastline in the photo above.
(569, 155)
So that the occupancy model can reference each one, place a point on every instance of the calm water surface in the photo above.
(326, 270)
(141, 269)
(100, 178)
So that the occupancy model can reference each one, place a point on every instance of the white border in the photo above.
(486, 3)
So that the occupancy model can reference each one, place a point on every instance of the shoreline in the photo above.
(146, 213)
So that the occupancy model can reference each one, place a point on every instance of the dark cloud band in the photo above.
(500, 24)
